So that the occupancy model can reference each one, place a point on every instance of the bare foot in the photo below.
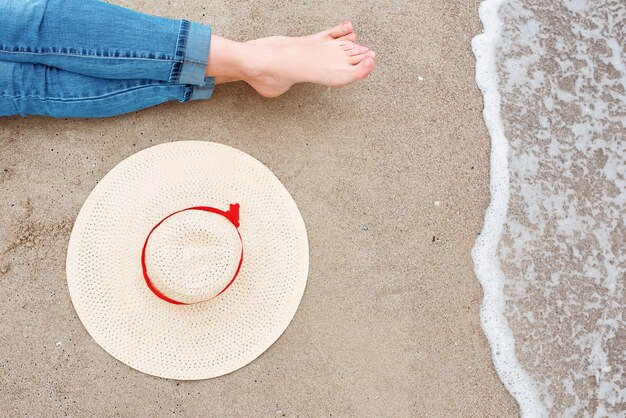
(329, 58)
(272, 65)
(344, 31)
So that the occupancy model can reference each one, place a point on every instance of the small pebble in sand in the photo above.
(420, 78)
(437, 203)
(59, 344)
(5, 268)
(365, 228)
(279, 412)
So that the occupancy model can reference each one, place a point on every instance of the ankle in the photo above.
(226, 59)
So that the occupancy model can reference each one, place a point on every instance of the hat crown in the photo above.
(193, 256)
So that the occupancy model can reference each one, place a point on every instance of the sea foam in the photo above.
(552, 255)
(486, 264)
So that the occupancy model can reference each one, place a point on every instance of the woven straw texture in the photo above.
(202, 340)
(193, 255)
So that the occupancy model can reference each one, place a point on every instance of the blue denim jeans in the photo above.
(86, 58)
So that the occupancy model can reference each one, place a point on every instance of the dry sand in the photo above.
(389, 322)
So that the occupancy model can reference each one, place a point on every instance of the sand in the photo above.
(391, 176)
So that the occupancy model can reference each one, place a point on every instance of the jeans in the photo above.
(86, 58)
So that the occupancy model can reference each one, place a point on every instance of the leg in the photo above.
(103, 40)
(106, 41)
(36, 89)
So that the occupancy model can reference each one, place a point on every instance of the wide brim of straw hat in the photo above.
(197, 341)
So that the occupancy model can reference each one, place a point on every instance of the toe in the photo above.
(357, 50)
(347, 45)
(363, 68)
(349, 37)
(355, 59)
(342, 29)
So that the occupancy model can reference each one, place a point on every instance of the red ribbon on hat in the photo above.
(232, 215)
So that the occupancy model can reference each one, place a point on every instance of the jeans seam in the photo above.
(87, 56)
(181, 49)
(188, 93)
(78, 99)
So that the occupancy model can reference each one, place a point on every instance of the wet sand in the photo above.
(563, 249)
(391, 177)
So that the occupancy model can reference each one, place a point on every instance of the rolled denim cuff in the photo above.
(202, 92)
(196, 55)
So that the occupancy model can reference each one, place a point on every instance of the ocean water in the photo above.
(552, 255)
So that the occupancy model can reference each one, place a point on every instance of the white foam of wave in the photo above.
(486, 264)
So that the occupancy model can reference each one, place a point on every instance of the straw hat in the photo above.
(188, 260)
